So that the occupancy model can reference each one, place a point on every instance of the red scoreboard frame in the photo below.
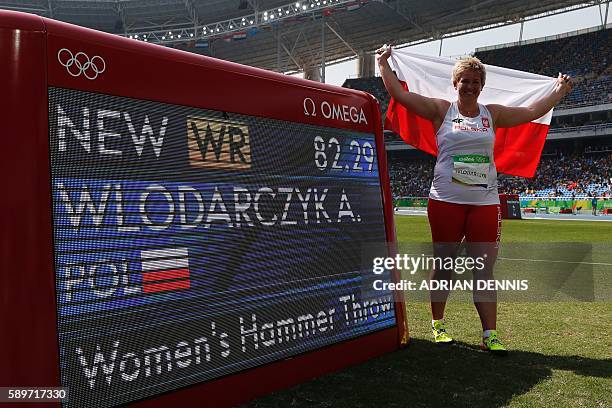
(29, 46)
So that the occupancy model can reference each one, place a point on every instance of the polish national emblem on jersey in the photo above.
(485, 121)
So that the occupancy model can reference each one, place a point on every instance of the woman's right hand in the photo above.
(383, 54)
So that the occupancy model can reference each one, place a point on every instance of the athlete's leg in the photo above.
(483, 230)
(447, 223)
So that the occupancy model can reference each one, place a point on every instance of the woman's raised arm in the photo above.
(508, 116)
(430, 108)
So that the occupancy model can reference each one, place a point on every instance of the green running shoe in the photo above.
(439, 332)
(493, 344)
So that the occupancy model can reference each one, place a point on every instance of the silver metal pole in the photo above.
(323, 49)
(278, 50)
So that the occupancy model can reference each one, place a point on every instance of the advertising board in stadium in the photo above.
(195, 225)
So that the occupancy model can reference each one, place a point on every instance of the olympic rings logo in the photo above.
(80, 64)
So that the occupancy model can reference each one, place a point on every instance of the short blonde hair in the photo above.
(466, 64)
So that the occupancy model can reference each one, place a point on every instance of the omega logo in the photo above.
(344, 113)
(309, 107)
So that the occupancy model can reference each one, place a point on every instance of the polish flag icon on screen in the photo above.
(165, 270)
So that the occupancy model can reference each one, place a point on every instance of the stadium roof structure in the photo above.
(287, 36)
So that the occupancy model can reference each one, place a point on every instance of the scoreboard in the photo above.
(203, 221)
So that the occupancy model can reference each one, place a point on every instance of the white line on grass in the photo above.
(411, 212)
(534, 220)
(566, 219)
(532, 260)
(554, 261)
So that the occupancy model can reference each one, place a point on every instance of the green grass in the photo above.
(561, 352)
(416, 229)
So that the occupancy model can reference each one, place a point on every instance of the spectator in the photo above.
(588, 175)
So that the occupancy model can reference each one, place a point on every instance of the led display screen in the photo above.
(191, 244)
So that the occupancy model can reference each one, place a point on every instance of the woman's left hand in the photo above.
(564, 84)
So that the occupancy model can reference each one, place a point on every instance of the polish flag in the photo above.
(517, 149)
(239, 35)
(353, 6)
(165, 269)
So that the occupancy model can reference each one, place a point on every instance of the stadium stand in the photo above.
(411, 177)
(373, 86)
(575, 176)
(586, 57)
(560, 174)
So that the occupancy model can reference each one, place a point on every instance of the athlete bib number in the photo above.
(471, 169)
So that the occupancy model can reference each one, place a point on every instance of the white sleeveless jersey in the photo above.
(465, 171)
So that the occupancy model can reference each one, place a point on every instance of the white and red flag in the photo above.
(165, 269)
(517, 149)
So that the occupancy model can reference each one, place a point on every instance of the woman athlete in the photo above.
(463, 199)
